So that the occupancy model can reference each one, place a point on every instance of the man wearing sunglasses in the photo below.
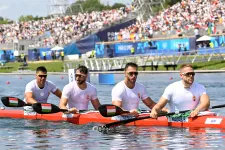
(128, 93)
(183, 95)
(77, 94)
(38, 90)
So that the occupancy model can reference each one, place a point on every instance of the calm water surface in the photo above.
(38, 134)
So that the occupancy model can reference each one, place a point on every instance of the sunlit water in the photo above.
(39, 134)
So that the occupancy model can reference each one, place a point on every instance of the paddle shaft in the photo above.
(217, 106)
(118, 123)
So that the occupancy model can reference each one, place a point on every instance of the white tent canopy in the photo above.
(57, 48)
(204, 38)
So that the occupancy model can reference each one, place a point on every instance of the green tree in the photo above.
(29, 18)
(92, 5)
(118, 5)
(5, 21)
(89, 6)
(169, 3)
(75, 8)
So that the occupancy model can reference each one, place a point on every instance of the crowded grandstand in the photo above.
(192, 18)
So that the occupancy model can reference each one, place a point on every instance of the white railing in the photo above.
(151, 59)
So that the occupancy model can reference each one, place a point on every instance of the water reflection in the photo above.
(41, 138)
(164, 138)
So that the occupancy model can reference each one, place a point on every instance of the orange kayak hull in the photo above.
(95, 117)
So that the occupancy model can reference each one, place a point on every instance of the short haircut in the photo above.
(42, 69)
(83, 69)
(185, 65)
(130, 64)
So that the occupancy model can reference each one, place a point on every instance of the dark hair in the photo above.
(83, 69)
(186, 65)
(130, 64)
(42, 69)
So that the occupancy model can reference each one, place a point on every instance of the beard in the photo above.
(79, 82)
(41, 82)
(189, 81)
(132, 80)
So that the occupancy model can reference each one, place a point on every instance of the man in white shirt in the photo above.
(127, 93)
(183, 95)
(77, 94)
(39, 90)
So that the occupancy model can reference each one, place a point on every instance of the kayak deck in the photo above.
(95, 117)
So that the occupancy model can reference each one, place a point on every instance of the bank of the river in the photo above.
(57, 67)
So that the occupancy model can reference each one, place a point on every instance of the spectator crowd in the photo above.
(187, 15)
(184, 16)
(60, 30)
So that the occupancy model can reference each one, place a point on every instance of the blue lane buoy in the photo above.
(106, 78)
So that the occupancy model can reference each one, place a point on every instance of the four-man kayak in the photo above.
(206, 121)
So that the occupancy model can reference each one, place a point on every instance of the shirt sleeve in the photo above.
(66, 92)
(52, 86)
(144, 94)
(117, 93)
(168, 92)
(28, 88)
(202, 90)
(94, 95)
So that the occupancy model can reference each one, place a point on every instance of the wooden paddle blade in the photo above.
(110, 110)
(12, 102)
(45, 108)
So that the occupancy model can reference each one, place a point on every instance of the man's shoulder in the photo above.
(70, 84)
(89, 85)
(49, 82)
(139, 84)
(119, 84)
(175, 84)
(198, 85)
(32, 82)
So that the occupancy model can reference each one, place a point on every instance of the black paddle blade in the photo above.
(12, 102)
(45, 108)
(110, 110)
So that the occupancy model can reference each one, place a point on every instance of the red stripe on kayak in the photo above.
(48, 105)
(110, 107)
(13, 99)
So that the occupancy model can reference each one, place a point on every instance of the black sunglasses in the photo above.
(132, 73)
(42, 76)
(79, 75)
(188, 74)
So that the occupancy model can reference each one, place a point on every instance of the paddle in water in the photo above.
(10, 101)
(47, 108)
(110, 110)
(119, 123)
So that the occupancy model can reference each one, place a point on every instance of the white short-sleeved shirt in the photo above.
(79, 98)
(40, 95)
(180, 98)
(130, 97)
